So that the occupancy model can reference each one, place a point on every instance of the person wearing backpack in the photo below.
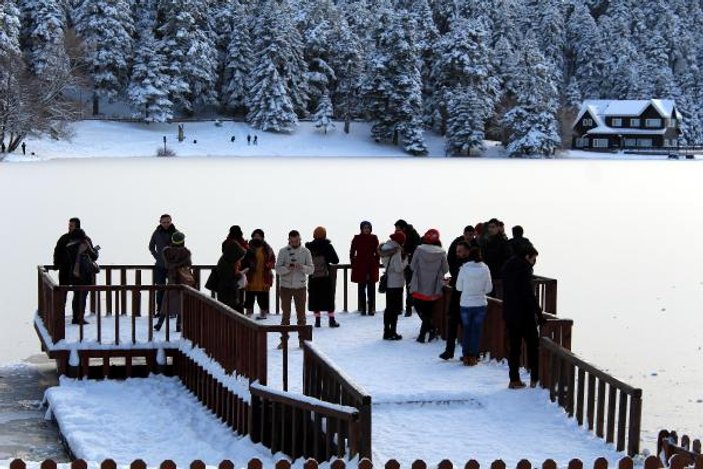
(177, 259)
(293, 265)
(81, 257)
(321, 284)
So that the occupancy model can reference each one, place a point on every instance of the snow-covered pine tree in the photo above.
(43, 36)
(318, 25)
(190, 57)
(465, 63)
(106, 27)
(11, 64)
(393, 86)
(270, 107)
(278, 41)
(347, 61)
(464, 124)
(238, 60)
(149, 88)
(531, 123)
(9, 30)
(324, 113)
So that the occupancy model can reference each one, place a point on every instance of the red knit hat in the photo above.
(398, 237)
(431, 236)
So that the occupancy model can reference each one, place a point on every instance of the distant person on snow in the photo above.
(24, 148)
(321, 284)
(256, 139)
(160, 239)
(248, 139)
(364, 267)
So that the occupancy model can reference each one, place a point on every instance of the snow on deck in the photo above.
(424, 408)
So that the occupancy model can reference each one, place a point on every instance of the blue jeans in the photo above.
(472, 318)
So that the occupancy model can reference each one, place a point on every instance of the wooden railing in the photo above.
(684, 453)
(325, 381)
(304, 426)
(546, 291)
(651, 462)
(609, 407)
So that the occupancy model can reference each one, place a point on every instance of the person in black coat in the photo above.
(229, 278)
(496, 251)
(460, 254)
(61, 261)
(321, 284)
(81, 257)
(522, 313)
(160, 239)
(412, 241)
(518, 243)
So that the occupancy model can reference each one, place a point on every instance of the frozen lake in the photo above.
(620, 236)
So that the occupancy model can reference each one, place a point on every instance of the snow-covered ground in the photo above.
(424, 408)
(94, 138)
(621, 237)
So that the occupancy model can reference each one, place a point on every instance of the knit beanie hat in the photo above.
(259, 232)
(398, 237)
(178, 238)
(365, 223)
(319, 233)
(431, 236)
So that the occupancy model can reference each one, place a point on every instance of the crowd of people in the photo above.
(482, 262)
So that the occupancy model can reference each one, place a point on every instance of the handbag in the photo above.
(383, 283)
(185, 276)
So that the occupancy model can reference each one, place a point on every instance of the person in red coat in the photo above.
(364, 263)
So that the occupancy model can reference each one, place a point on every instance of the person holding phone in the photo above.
(293, 265)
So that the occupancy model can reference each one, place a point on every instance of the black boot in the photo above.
(333, 323)
(317, 321)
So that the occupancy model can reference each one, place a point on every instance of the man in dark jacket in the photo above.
(412, 241)
(496, 251)
(80, 257)
(61, 261)
(522, 313)
(160, 239)
(460, 254)
(518, 243)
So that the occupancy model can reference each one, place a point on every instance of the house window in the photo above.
(671, 123)
(644, 142)
(634, 122)
(616, 122)
(587, 122)
(582, 142)
(630, 142)
(653, 123)
(600, 143)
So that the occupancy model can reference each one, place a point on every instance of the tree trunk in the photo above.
(347, 123)
(96, 104)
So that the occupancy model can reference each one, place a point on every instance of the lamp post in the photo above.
(164, 145)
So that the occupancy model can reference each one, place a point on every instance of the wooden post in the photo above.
(633, 444)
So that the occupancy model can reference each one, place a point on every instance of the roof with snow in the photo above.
(602, 108)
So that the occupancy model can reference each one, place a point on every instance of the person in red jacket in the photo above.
(364, 264)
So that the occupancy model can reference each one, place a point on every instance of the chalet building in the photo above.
(612, 124)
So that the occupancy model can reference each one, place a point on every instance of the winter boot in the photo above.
(317, 321)
(249, 312)
(333, 323)
(262, 315)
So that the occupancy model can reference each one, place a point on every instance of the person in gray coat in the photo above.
(161, 238)
(429, 266)
(395, 261)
